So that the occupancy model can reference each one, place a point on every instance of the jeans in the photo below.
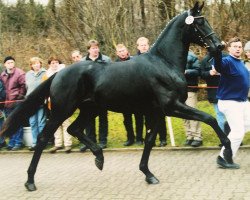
(37, 123)
(220, 117)
(16, 140)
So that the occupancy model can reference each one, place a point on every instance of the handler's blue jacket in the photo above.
(234, 82)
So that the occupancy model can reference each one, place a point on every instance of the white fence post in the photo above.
(171, 132)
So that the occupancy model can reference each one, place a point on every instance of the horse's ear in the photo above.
(197, 8)
(202, 5)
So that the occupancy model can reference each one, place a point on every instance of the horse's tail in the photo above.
(26, 108)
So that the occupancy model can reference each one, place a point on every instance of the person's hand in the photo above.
(213, 72)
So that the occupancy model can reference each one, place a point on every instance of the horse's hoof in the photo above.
(99, 163)
(30, 186)
(152, 180)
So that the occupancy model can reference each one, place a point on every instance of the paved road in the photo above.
(183, 174)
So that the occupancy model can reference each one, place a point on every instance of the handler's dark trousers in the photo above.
(128, 123)
(103, 128)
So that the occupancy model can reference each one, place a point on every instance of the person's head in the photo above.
(36, 64)
(247, 50)
(93, 48)
(122, 51)
(9, 63)
(54, 63)
(76, 56)
(234, 47)
(142, 44)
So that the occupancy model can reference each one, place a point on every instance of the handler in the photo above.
(232, 94)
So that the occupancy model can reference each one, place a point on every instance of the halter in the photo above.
(190, 21)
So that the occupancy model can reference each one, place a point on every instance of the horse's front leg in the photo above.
(149, 142)
(42, 141)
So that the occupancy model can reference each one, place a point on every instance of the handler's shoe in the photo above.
(54, 149)
(225, 165)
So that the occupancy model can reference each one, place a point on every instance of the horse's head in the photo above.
(198, 30)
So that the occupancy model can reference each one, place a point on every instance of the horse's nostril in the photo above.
(220, 46)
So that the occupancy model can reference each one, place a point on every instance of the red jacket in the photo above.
(14, 86)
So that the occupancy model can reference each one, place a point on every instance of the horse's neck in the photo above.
(170, 46)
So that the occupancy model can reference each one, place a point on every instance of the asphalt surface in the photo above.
(183, 173)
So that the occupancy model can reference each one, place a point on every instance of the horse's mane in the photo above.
(169, 23)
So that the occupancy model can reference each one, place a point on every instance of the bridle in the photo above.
(197, 29)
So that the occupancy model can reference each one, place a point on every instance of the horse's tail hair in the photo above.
(26, 108)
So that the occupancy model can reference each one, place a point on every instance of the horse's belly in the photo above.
(127, 104)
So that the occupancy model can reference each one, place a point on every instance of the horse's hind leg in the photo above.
(76, 130)
(42, 141)
(186, 112)
(153, 121)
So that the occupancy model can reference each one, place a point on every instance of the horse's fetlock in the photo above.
(143, 167)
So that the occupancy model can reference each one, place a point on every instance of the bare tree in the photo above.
(61, 27)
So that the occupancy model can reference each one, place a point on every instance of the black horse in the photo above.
(152, 84)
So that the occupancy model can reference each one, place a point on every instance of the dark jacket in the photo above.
(101, 58)
(192, 71)
(211, 81)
